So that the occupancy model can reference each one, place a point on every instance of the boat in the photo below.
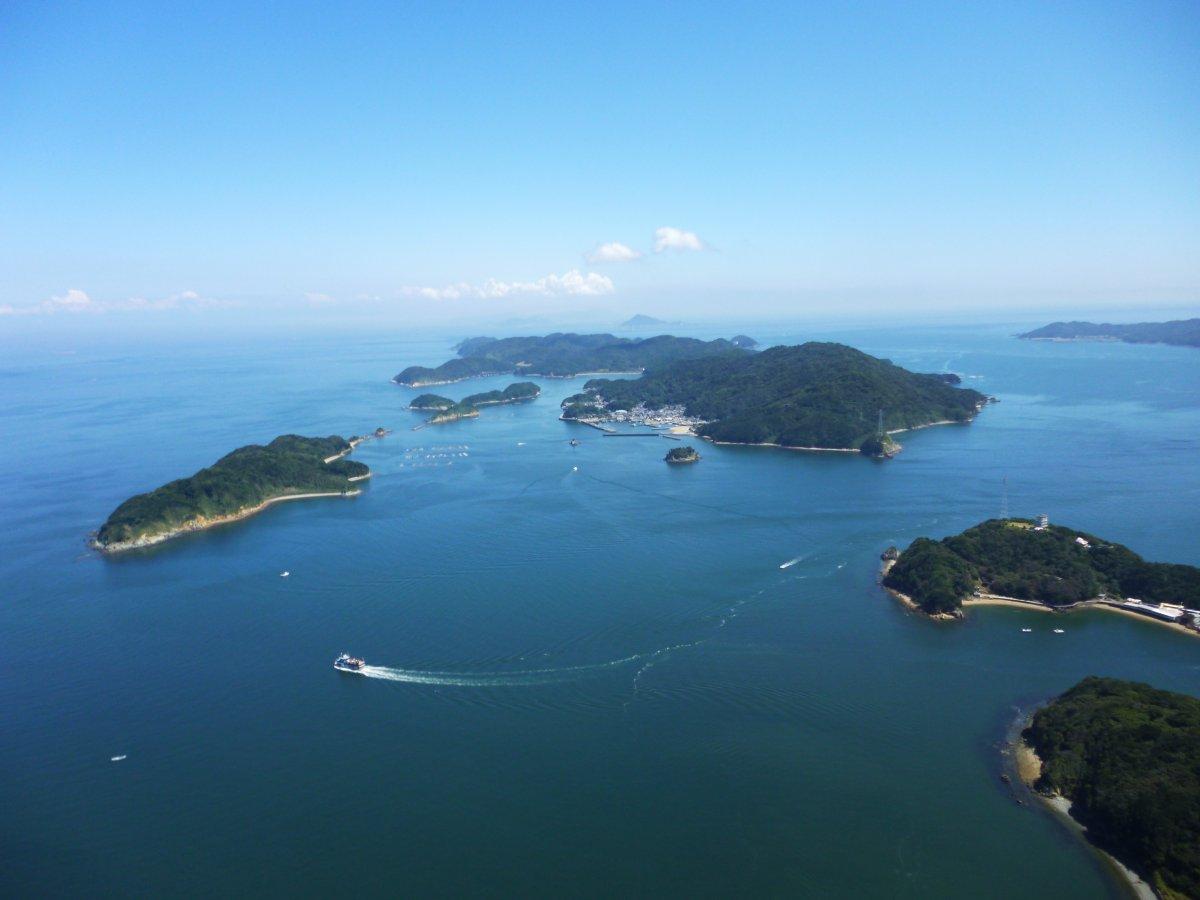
(1026, 630)
(1059, 631)
(284, 574)
(348, 663)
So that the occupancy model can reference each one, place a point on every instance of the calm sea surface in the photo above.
(592, 675)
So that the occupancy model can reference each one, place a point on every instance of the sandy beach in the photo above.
(1029, 769)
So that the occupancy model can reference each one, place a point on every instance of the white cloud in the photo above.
(75, 301)
(315, 298)
(570, 284)
(667, 238)
(613, 251)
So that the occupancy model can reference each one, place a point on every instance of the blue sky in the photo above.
(451, 160)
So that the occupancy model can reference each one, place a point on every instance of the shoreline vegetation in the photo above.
(237, 486)
(1028, 766)
(447, 410)
(1114, 761)
(1015, 562)
(816, 397)
(202, 523)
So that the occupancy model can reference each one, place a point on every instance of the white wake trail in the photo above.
(495, 679)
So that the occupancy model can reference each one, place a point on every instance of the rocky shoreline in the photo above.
(203, 522)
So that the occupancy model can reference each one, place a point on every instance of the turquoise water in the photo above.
(590, 680)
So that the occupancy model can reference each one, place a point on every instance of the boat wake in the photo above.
(498, 679)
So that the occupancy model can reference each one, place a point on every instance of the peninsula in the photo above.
(561, 356)
(1041, 565)
(453, 413)
(1180, 332)
(238, 485)
(1120, 758)
(815, 396)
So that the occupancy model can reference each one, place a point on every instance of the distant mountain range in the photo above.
(1181, 332)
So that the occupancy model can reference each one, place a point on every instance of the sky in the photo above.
(443, 161)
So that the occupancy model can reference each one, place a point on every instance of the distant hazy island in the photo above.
(1020, 561)
(639, 321)
(1124, 759)
(682, 455)
(560, 355)
(1181, 332)
(816, 396)
(236, 486)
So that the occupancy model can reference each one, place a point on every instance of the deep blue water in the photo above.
(599, 680)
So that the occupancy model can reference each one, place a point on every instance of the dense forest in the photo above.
(247, 477)
(1013, 559)
(1127, 756)
(813, 395)
(561, 355)
(1182, 332)
(682, 455)
(514, 393)
(430, 401)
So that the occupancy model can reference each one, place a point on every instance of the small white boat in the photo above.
(574, 468)
(117, 758)
(284, 574)
(1059, 631)
(1026, 630)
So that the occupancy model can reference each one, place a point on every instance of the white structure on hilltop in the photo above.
(1043, 521)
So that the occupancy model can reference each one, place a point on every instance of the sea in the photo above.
(590, 673)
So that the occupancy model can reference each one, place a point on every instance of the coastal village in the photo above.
(674, 418)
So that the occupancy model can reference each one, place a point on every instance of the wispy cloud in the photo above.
(614, 251)
(76, 301)
(668, 238)
(572, 283)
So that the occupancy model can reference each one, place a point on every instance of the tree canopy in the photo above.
(812, 395)
(247, 477)
(1127, 756)
(1011, 558)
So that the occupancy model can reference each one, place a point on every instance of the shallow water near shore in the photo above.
(591, 672)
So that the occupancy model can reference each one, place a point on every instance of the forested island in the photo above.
(238, 485)
(1019, 560)
(682, 455)
(815, 396)
(560, 356)
(430, 402)
(1126, 756)
(1180, 332)
(514, 393)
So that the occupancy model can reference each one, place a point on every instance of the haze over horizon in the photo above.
(436, 164)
